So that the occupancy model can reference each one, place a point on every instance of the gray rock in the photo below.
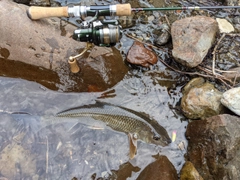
(162, 35)
(201, 100)
(214, 147)
(192, 37)
(231, 99)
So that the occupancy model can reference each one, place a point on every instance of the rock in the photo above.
(163, 35)
(140, 55)
(40, 43)
(224, 26)
(189, 172)
(231, 99)
(192, 37)
(46, 45)
(214, 145)
(17, 161)
(160, 169)
(193, 83)
(201, 101)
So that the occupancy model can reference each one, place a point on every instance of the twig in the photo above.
(222, 70)
(141, 41)
(148, 44)
(214, 53)
(184, 72)
(167, 21)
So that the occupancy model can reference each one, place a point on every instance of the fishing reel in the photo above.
(100, 33)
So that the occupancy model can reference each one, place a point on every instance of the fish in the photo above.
(122, 119)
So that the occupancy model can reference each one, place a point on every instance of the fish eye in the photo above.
(156, 137)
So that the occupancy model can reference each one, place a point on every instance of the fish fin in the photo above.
(132, 145)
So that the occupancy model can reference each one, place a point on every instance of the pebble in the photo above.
(224, 26)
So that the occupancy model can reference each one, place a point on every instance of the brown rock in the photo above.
(161, 169)
(189, 172)
(192, 38)
(201, 101)
(214, 145)
(43, 48)
(140, 55)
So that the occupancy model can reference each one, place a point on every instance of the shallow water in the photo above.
(70, 149)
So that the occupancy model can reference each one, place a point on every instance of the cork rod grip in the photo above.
(123, 9)
(35, 12)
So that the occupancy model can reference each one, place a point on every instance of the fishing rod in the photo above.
(35, 13)
(100, 32)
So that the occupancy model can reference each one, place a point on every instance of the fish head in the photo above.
(154, 138)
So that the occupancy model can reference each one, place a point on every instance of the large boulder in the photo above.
(214, 145)
(192, 38)
(43, 47)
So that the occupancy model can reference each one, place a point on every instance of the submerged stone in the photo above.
(192, 38)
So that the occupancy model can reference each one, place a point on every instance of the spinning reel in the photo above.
(93, 31)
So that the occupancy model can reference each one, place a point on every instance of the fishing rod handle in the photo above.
(35, 12)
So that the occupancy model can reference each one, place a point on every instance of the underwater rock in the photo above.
(201, 101)
(231, 100)
(140, 55)
(160, 169)
(192, 38)
(189, 172)
(214, 145)
(16, 160)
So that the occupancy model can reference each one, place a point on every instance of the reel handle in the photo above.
(35, 12)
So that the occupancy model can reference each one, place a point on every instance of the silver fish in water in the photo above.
(123, 120)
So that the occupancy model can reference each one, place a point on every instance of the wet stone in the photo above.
(201, 101)
(213, 147)
(189, 172)
(140, 55)
(160, 169)
(162, 35)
